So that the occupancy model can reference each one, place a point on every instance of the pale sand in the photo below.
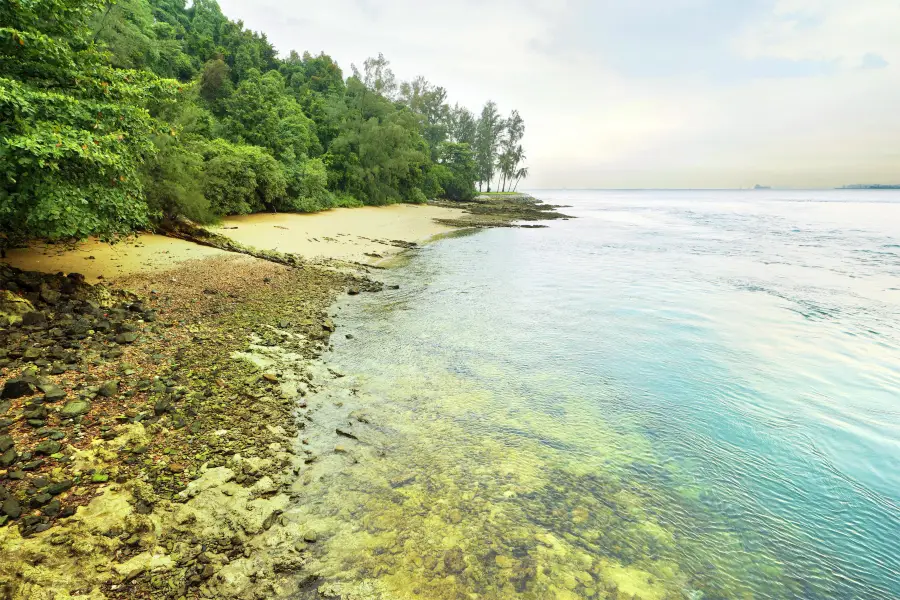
(350, 234)
(94, 259)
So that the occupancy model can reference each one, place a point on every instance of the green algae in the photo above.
(440, 502)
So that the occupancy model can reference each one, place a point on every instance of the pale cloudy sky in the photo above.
(643, 93)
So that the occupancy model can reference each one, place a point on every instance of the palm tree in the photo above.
(520, 175)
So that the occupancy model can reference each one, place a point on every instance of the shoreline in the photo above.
(156, 433)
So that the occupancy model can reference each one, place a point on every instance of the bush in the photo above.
(239, 179)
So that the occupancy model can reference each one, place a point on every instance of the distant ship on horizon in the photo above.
(761, 187)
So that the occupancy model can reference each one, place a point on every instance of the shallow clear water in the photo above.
(675, 395)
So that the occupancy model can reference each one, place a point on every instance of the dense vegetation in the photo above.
(116, 114)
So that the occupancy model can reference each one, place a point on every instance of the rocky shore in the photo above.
(150, 433)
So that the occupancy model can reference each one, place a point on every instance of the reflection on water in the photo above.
(688, 403)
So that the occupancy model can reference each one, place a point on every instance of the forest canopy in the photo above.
(114, 115)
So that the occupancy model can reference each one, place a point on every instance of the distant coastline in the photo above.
(870, 186)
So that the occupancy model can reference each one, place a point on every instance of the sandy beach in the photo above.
(352, 234)
(363, 235)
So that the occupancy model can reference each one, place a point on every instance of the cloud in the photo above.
(873, 61)
(646, 92)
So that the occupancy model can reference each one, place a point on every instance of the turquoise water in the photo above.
(675, 395)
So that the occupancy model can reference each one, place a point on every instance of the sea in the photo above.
(673, 394)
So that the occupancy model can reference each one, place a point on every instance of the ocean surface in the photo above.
(677, 394)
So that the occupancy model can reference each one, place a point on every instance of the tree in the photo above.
(511, 152)
(74, 131)
(462, 125)
(377, 76)
(487, 140)
(428, 103)
(459, 171)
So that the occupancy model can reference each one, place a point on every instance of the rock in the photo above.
(55, 489)
(11, 508)
(99, 478)
(353, 291)
(52, 508)
(270, 377)
(109, 389)
(6, 442)
(454, 561)
(40, 499)
(8, 458)
(311, 536)
(162, 406)
(328, 325)
(47, 447)
(129, 337)
(346, 433)
(16, 388)
(176, 467)
(74, 409)
(4, 407)
(34, 318)
(52, 392)
(349, 336)
(32, 354)
(13, 307)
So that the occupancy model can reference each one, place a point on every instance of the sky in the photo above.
(642, 93)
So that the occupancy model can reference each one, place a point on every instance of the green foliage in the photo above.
(458, 171)
(240, 179)
(73, 130)
(173, 181)
(99, 136)
(307, 187)
(262, 113)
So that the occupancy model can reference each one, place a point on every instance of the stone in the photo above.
(328, 325)
(16, 388)
(40, 499)
(99, 478)
(311, 536)
(8, 458)
(129, 337)
(4, 407)
(109, 389)
(11, 508)
(52, 392)
(162, 406)
(176, 467)
(52, 508)
(454, 561)
(345, 433)
(74, 409)
(6, 442)
(353, 291)
(13, 307)
(33, 318)
(32, 354)
(47, 447)
(54, 489)
(270, 377)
